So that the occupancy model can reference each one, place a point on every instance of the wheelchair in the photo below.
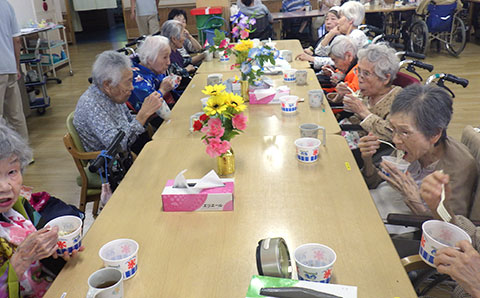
(441, 24)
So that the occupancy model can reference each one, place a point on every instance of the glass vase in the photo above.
(244, 90)
(226, 163)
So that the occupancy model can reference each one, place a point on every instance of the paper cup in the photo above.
(307, 149)
(208, 56)
(289, 75)
(402, 165)
(286, 54)
(214, 79)
(314, 262)
(288, 104)
(122, 255)
(71, 225)
(439, 234)
(301, 77)
(315, 98)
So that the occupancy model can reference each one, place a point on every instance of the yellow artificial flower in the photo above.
(244, 45)
(213, 90)
(216, 105)
(236, 102)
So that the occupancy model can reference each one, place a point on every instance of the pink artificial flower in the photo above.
(223, 44)
(217, 147)
(239, 121)
(244, 34)
(214, 128)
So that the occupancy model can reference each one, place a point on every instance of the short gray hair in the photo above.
(11, 143)
(353, 11)
(109, 66)
(172, 28)
(341, 45)
(430, 106)
(150, 48)
(383, 58)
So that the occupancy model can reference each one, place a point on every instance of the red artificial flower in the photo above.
(204, 118)
(197, 125)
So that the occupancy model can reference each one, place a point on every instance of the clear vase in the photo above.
(226, 163)
(244, 90)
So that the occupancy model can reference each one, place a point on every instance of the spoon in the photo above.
(388, 143)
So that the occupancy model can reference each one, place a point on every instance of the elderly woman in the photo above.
(190, 45)
(463, 264)
(149, 76)
(101, 111)
(321, 52)
(344, 55)
(175, 32)
(377, 68)
(23, 243)
(419, 118)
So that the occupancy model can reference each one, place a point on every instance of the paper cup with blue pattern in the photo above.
(307, 149)
(69, 233)
(314, 262)
(437, 235)
(121, 254)
(289, 75)
(288, 104)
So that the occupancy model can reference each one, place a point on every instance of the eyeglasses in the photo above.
(365, 73)
(402, 133)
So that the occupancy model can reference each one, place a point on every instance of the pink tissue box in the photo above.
(208, 199)
(270, 96)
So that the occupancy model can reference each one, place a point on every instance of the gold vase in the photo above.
(226, 163)
(244, 91)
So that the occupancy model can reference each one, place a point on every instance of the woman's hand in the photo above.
(355, 105)
(307, 51)
(368, 146)
(36, 246)
(150, 105)
(190, 68)
(304, 57)
(431, 191)
(462, 265)
(327, 70)
(335, 31)
(342, 89)
(66, 256)
(167, 84)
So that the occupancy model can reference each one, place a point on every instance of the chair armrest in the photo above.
(407, 220)
(414, 262)
(85, 155)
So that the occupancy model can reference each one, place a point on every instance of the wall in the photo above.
(28, 10)
(24, 11)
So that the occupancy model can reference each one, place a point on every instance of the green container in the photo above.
(210, 21)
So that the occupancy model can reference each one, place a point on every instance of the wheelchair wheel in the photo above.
(389, 24)
(419, 37)
(458, 38)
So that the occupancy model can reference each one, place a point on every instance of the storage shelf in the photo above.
(55, 45)
(40, 83)
(59, 62)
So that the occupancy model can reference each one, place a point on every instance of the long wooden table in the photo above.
(262, 119)
(212, 254)
(289, 44)
(389, 8)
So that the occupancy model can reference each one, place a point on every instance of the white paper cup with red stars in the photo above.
(314, 262)
(69, 233)
(121, 254)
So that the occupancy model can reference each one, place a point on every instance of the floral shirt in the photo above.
(98, 120)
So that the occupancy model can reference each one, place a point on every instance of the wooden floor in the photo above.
(54, 170)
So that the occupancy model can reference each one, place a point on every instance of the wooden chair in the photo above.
(89, 182)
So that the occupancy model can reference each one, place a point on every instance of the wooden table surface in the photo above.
(296, 14)
(212, 254)
(262, 119)
(388, 8)
(288, 44)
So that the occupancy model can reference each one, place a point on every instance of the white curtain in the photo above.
(81, 5)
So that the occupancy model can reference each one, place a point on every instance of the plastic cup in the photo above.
(439, 234)
(289, 75)
(288, 104)
(307, 149)
(310, 130)
(122, 255)
(67, 224)
(315, 98)
(204, 101)
(314, 262)
(287, 55)
(214, 79)
(301, 77)
(401, 165)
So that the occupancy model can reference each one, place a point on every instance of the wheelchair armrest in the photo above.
(407, 220)
(351, 127)
(414, 262)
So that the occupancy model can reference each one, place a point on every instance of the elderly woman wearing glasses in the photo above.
(23, 243)
(419, 118)
(377, 68)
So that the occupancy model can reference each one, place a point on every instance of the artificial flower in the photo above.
(244, 33)
(204, 117)
(223, 44)
(245, 68)
(244, 45)
(213, 90)
(236, 102)
(216, 147)
(214, 128)
(239, 121)
(253, 52)
(197, 125)
(215, 105)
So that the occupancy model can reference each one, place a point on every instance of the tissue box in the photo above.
(208, 199)
(268, 96)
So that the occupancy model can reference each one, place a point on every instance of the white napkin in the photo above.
(210, 180)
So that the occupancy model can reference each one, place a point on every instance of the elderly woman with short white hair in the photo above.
(101, 111)
(175, 32)
(149, 76)
(377, 68)
(352, 14)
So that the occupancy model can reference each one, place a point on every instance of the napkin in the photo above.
(210, 180)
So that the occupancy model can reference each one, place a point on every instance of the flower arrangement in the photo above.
(242, 25)
(221, 43)
(223, 119)
(247, 56)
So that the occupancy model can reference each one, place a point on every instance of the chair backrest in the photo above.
(263, 28)
(471, 139)
(403, 80)
(75, 137)
(440, 17)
